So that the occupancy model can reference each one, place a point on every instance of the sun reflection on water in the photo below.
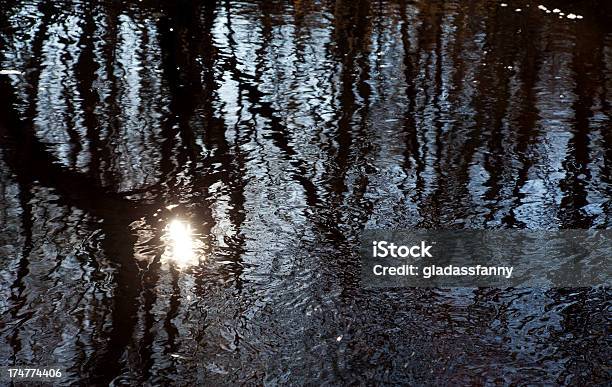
(182, 248)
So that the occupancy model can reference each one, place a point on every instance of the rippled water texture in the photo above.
(184, 183)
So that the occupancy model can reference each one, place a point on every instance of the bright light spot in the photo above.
(181, 246)
(518, 10)
(503, 4)
(556, 10)
(571, 16)
(543, 8)
(10, 72)
(180, 233)
(578, 16)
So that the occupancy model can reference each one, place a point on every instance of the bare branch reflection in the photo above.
(184, 184)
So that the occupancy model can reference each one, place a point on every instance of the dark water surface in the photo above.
(278, 131)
